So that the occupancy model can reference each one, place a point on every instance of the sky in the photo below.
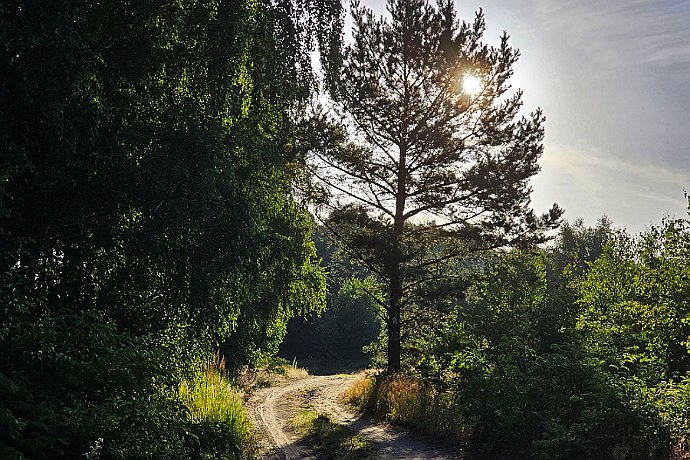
(613, 79)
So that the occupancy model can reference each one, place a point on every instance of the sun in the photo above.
(471, 85)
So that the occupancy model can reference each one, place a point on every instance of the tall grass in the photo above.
(406, 401)
(212, 397)
(218, 418)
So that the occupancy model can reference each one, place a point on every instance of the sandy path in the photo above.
(271, 408)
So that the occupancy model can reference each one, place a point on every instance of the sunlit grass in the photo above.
(406, 401)
(269, 377)
(215, 408)
(359, 393)
(213, 397)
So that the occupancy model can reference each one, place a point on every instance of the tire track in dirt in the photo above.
(271, 408)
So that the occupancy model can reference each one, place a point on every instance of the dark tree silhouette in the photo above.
(420, 171)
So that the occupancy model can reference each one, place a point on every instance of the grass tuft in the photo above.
(219, 421)
(406, 401)
(359, 393)
(213, 397)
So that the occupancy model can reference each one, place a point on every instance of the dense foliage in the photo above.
(578, 351)
(146, 215)
(334, 340)
(148, 157)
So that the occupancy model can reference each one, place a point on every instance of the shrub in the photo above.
(71, 383)
(69, 379)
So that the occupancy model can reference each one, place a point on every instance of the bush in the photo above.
(71, 384)
(69, 379)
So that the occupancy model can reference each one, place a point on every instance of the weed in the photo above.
(94, 452)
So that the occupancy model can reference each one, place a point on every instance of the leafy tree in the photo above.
(635, 307)
(146, 205)
(420, 171)
(147, 159)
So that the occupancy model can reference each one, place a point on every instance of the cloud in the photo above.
(589, 182)
(634, 31)
(586, 162)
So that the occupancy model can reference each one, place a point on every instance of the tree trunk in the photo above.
(394, 325)
(396, 286)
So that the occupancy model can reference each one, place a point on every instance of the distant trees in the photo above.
(333, 340)
(420, 171)
(589, 360)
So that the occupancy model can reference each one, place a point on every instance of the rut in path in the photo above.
(271, 408)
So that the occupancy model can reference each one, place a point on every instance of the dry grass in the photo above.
(359, 393)
(295, 373)
(681, 448)
(406, 401)
(269, 377)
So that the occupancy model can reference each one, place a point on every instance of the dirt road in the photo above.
(271, 408)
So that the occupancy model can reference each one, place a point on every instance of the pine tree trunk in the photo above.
(394, 325)
(396, 286)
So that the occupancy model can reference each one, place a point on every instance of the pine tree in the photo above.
(422, 171)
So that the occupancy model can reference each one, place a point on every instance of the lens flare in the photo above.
(471, 85)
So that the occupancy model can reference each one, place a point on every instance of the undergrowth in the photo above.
(406, 401)
(217, 417)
